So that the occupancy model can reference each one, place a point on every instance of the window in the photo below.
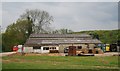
(53, 48)
(79, 47)
(45, 48)
(36, 47)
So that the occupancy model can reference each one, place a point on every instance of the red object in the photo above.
(15, 48)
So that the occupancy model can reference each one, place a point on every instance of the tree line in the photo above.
(105, 36)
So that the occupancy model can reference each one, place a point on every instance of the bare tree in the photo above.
(40, 19)
(62, 31)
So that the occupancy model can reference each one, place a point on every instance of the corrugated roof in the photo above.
(69, 41)
(39, 39)
(59, 35)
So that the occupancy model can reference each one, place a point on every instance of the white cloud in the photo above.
(73, 15)
(59, 0)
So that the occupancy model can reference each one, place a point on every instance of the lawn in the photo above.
(59, 62)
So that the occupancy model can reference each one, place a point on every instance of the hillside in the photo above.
(106, 36)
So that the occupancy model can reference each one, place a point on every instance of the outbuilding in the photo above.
(44, 43)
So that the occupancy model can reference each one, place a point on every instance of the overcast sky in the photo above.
(77, 16)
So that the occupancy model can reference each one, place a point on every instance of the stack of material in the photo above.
(97, 51)
(100, 51)
(78, 52)
(54, 51)
(84, 50)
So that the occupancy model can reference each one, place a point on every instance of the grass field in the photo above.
(59, 62)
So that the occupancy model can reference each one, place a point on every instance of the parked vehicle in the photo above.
(66, 50)
(15, 48)
(113, 47)
(18, 48)
(107, 47)
(103, 47)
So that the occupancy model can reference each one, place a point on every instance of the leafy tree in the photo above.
(40, 20)
(94, 35)
(15, 34)
(32, 21)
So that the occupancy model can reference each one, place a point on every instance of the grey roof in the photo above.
(40, 39)
(69, 41)
(58, 35)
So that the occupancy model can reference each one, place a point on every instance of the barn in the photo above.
(44, 43)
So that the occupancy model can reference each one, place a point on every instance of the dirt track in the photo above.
(60, 54)
(108, 54)
(6, 53)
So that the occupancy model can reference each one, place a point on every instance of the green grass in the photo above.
(59, 62)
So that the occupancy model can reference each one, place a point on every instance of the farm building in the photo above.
(44, 43)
